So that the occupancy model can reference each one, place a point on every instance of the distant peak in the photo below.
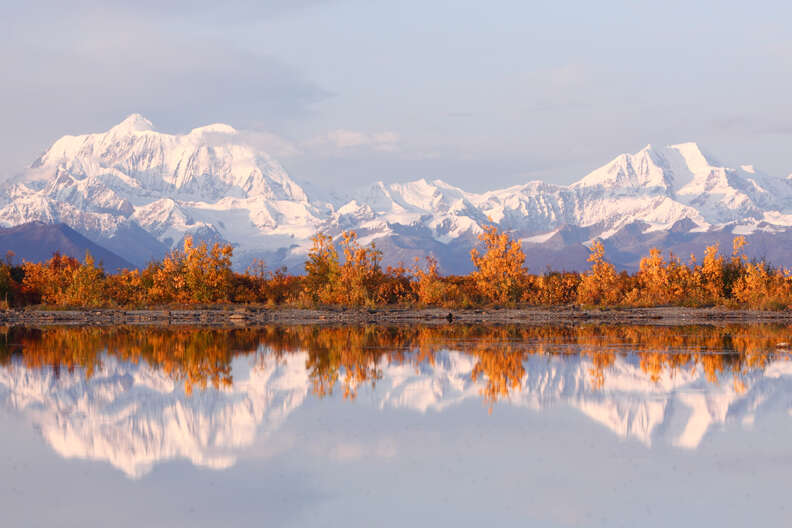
(216, 128)
(133, 123)
(650, 151)
(690, 146)
(693, 153)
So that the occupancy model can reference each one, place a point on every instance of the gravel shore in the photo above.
(249, 316)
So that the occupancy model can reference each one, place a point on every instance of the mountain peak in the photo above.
(155, 188)
(133, 123)
(641, 169)
(694, 156)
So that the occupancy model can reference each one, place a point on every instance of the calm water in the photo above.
(304, 426)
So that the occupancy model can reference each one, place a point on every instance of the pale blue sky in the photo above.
(480, 94)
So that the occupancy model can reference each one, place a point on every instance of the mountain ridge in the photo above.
(36, 242)
(139, 192)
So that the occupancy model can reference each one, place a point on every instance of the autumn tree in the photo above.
(126, 288)
(428, 285)
(64, 281)
(87, 285)
(7, 282)
(760, 286)
(194, 274)
(396, 286)
(552, 289)
(361, 274)
(499, 275)
(737, 265)
(715, 276)
(280, 287)
(710, 274)
(660, 281)
(322, 269)
(600, 285)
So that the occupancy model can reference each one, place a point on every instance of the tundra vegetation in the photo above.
(343, 272)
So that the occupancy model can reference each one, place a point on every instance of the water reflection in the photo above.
(136, 396)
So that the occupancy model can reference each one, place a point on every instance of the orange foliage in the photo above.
(197, 274)
(500, 275)
(64, 281)
(361, 274)
(322, 269)
(600, 285)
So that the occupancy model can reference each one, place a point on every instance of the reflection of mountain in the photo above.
(134, 416)
(678, 409)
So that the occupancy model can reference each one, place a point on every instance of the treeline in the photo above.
(198, 274)
(346, 358)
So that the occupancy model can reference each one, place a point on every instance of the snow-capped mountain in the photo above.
(138, 192)
(135, 416)
(163, 186)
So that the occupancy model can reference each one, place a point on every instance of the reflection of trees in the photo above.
(196, 357)
(351, 356)
(503, 371)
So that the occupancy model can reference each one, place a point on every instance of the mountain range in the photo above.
(134, 416)
(138, 192)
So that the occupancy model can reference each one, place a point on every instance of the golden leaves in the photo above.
(499, 276)
(198, 274)
(195, 274)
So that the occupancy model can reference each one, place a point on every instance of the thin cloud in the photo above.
(272, 143)
(341, 139)
(61, 78)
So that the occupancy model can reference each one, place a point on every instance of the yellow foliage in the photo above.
(499, 275)
(662, 282)
(322, 269)
(194, 274)
(709, 276)
(198, 274)
(600, 285)
(361, 274)
(63, 281)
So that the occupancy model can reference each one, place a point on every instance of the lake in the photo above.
(404, 426)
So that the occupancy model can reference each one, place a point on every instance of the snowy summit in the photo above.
(139, 192)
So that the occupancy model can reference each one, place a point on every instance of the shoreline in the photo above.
(253, 317)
